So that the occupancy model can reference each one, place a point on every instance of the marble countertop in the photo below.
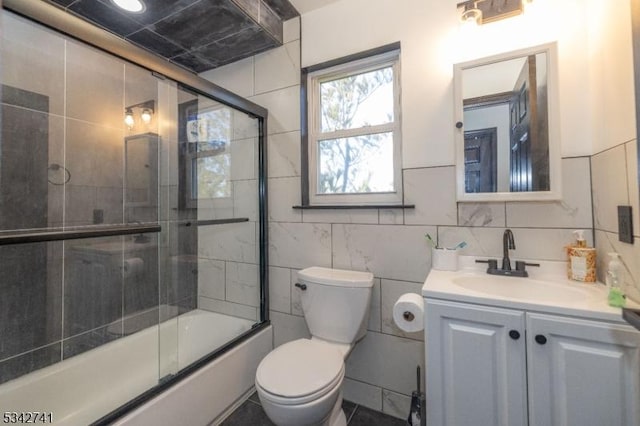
(546, 290)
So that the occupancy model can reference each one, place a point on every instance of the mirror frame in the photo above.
(555, 186)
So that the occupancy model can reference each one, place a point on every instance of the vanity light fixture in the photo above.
(146, 116)
(471, 15)
(146, 108)
(128, 118)
(134, 6)
(485, 11)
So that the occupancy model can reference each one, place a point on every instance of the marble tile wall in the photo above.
(388, 242)
(228, 255)
(615, 183)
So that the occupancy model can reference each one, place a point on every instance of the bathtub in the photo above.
(81, 389)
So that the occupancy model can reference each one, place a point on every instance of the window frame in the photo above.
(313, 77)
(190, 155)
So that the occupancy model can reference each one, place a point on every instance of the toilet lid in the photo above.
(299, 368)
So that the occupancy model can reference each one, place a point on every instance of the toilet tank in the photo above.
(335, 302)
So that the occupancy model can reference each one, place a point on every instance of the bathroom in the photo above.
(598, 152)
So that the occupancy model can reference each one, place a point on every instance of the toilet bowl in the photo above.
(300, 382)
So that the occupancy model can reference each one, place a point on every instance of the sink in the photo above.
(524, 289)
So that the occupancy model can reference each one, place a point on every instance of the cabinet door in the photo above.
(475, 369)
(582, 373)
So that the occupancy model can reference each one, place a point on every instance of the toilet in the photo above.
(300, 382)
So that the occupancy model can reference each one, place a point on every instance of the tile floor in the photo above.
(250, 413)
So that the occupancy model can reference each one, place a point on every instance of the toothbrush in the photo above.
(461, 245)
(430, 241)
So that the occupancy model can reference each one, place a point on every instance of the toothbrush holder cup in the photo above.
(443, 259)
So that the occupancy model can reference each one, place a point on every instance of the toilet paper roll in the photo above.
(408, 312)
(133, 266)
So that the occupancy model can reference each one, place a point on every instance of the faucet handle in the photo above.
(493, 263)
(521, 265)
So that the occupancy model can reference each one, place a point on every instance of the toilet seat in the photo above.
(300, 371)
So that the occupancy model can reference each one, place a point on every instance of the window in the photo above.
(354, 141)
(205, 139)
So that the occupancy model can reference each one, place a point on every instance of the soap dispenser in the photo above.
(615, 281)
(581, 259)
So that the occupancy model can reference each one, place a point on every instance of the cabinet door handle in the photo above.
(540, 339)
(514, 334)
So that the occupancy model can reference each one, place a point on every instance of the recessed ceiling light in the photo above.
(135, 6)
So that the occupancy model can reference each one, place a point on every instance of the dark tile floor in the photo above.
(250, 413)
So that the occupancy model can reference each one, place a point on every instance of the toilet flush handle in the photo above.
(301, 286)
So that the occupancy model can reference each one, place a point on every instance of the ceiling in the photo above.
(196, 34)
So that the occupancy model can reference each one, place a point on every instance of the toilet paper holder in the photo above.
(408, 316)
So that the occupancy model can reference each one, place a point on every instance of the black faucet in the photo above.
(508, 243)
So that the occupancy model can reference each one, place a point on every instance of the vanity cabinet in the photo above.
(496, 366)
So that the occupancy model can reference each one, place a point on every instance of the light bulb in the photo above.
(146, 116)
(128, 118)
(135, 6)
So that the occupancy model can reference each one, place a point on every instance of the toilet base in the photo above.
(337, 418)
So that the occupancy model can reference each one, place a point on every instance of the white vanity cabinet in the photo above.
(491, 366)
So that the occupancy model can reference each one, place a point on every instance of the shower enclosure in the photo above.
(132, 221)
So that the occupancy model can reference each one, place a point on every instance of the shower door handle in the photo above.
(301, 286)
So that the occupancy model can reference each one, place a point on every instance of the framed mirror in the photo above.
(141, 170)
(507, 127)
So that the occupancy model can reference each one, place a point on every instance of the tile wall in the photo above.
(388, 242)
(615, 183)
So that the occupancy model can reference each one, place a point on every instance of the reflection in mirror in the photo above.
(141, 177)
(504, 143)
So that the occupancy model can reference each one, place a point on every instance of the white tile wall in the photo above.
(609, 187)
(211, 276)
(391, 216)
(284, 108)
(386, 361)
(287, 328)
(299, 245)
(363, 394)
(228, 308)
(632, 178)
(284, 193)
(278, 68)
(280, 289)
(396, 404)
(284, 154)
(236, 77)
(482, 214)
(234, 242)
(388, 251)
(341, 216)
(375, 319)
(242, 283)
(615, 185)
(245, 199)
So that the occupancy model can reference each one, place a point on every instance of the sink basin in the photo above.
(525, 289)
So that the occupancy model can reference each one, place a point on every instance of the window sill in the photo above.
(354, 206)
